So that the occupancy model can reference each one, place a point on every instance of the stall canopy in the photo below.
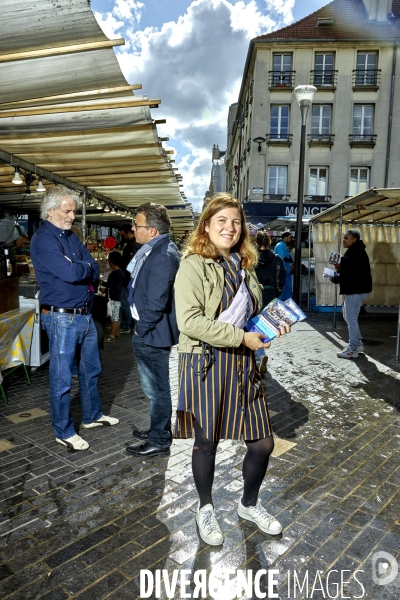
(376, 214)
(67, 114)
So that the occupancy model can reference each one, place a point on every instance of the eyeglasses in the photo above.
(144, 226)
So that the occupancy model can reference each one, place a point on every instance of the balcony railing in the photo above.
(274, 197)
(279, 139)
(324, 79)
(317, 198)
(362, 140)
(366, 78)
(281, 79)
(320, 139)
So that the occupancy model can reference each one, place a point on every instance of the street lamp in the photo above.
(304, 96)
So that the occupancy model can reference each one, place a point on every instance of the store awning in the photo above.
(66, 110)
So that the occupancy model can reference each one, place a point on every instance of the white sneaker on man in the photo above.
(104, 420)
(258, 515)
(360, 348)
(74, 443)
(209, 529)
(348, 353)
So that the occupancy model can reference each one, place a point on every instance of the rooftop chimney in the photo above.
(378, 10)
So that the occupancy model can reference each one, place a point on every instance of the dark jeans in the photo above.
(72, 337)
(153, 366)
(125, 310)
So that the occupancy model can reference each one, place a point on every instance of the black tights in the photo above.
(255, 465)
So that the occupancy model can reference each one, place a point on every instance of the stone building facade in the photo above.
(348, 51)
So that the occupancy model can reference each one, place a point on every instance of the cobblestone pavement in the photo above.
(83, 525)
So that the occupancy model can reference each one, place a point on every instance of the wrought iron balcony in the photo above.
(366, 78)
(366, 140)
(317, 198)
(324, 79)
(275, 197)
(281, 79)
(279, 139)
(320, 139)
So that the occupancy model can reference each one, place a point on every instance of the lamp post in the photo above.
(304, 96)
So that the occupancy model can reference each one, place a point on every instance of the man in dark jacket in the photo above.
(151, 298)
(66, 273)
(355, 284)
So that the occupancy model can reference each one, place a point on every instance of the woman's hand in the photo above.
(253, 341)
(284, 328)
(337, 266)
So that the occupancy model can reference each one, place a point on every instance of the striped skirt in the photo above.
(227, 400)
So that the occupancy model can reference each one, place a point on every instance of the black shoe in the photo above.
(142, 435)
(147, 450)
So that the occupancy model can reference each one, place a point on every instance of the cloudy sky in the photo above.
(192, 55)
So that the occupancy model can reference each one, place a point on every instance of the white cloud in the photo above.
(195, 65)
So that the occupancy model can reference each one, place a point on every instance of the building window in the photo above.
(321, 119)
(277, 181)
(366, 71)
(323, 69)
(318, 181)
(279, 122)
(363, 116)
(282, 69)
(359, 180)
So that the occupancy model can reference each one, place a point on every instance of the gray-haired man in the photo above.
(65, 272)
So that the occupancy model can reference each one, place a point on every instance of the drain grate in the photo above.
(372, 343)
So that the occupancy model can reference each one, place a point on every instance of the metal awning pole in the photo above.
(83, 224)
(339, 242)
(398, 337)
(309, 265)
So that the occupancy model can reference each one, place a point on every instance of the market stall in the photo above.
(376, 214)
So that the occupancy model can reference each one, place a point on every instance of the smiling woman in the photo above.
(220, 390)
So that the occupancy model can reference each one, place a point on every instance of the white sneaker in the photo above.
(104, 420)
(360, 348)
(74, 443)
(348, 353)
(258, 515)
(209, 529)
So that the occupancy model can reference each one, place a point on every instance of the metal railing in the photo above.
(362, 139)
(325, 78)
(279, 138)
(321, 138)
(366, 77)
(273, 197)
(317, 198)
(281, 79)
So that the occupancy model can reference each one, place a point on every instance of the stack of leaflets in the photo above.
(274, 317)
(328, 272)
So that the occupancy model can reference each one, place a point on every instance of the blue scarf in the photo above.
(138, 261)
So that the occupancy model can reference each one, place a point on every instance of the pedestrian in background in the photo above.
(128, 252)
(355, 283)
(282, 250)
(271, 273)
(115, 285)
(220, 391)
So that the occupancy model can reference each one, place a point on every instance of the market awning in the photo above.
(375, 206)
(66, 110)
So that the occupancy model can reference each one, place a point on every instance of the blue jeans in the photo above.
(351, 310)
(125, 310)
(72, 337)
(153, 366)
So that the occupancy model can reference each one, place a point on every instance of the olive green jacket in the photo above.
(199, 286)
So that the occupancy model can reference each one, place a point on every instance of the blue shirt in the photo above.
(63, 267)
